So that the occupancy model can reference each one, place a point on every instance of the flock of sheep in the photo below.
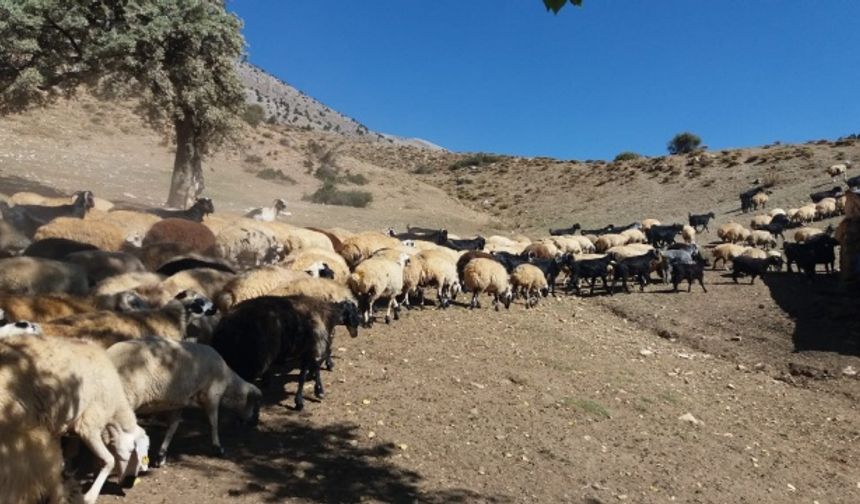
(112, 313)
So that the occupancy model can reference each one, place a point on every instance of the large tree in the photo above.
(178, 58)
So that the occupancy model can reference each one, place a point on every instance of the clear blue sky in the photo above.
(508, 77)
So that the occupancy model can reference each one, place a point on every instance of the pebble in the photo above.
(849, 371)
(645, 352)
(371, 435)
(689, 418)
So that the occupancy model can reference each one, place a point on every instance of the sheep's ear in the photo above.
(181, 295)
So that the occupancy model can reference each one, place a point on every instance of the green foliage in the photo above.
(627, 156)
(475, 160)
(556, 5)
(329, 194)
(275, 175)
(684, 143)
(253, 114)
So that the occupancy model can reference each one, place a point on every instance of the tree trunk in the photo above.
(187, 181)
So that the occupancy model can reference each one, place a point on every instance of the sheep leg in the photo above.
(388, 310)
(319, 391)
(474, 302)
(94, 442)
(496, 302)
(300, 400)
(211, 407)
(173, 424)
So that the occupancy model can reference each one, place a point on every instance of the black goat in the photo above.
(830, 193)
(28, 218)
(508, 260)
(176, 265)
(638, 267)
(688, 272)
(565, 231)
(820, 249)
(551, 269)
(263, 332)
(437, 236)
(589, 269)
(662, 236)
(744, 265)
(200, 208)
(853, 182)
(600, 231)
(632, 225)
(476, 243)
(56, 248)
(700, 220)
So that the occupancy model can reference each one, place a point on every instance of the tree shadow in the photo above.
(10, 184)
(824, 311)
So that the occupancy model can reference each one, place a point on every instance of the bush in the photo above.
(275, 175)
(356, 179)
(253, 159)
(423, 170)
(329, 194)
(476, 160)
(253, 114)
(627, 156)
(684, 143)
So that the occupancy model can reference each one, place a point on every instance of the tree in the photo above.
(556, 5)
(177, 58)
(684, 143)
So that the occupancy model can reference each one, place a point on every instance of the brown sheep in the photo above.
(196, 235)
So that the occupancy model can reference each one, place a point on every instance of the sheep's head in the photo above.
(403, 259)
(20, 328)
(350, 317)
(196, 305)
(86, 199)
(130, 301)
(508, 297)
(205, 204)
(134, 240)
(131, 453)
(279, 205)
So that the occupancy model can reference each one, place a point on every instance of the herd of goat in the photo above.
(112, 313)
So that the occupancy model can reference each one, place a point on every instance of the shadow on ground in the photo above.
(10, 184)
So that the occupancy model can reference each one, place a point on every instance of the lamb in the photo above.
(100, 234)
(361, 246)
(162, 375)
(565, 231)
(753, 267)
(590, 269)
(28, 218)
(439, 270)
(688, 272)
(99, 265)
(200, 208)
(303, 259)
(727, 252)
(248, 247)
(255, 283)
(638, 267)
(106, 327)
(836, 170)
(33, 275)
(197, 236)
(761, 238)
(487, 276)
(54, 386)
(609, 240)
(634, 236)
(760, 221)
(529, 280)
(12, 241)
(804, 214)
(263, 332)
(700, 220)
(688, 233)
(759, 200)
(44, 308)
(648, 223)
(376, 278)
(269, 214)
(826, 208)
(732, 232)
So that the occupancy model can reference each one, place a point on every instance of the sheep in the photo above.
(269, 214)
(54, 386)
(647, 223)
(776, 211)
(413, 281)
(12, 241)
(805, 214)
(761, 238)
(760, 221)
(200, 208)
(565, 231)
(590, 268)
(487, 276)
(661, 236)
(732, 232)
(31, 198)
(529, 280)
(100, 234)
(700, 221)
(20, 328)
(255, 283)
(755, 253)
(609, 240)
(748, 195)
(566, 244)
(302, 259)
(47, 307)
(753, 267)
(127, 282)
(162, 375)
(361, 246)
(28, 218)
(440, 270)
(107, 327)
(131, 222)
(836, 170)
(99, 265)
(325, 289)
(840, 204)
(638, 267)
(543, 249)
(826, 208)
(688, 233)
(260, 333)
(193, 261)
(207, 281)
(819, 249)
(830, 193)
(56, 248)
(626, 251)
(378, 277)
(296, 238)
(759, 200)
(464, 259)
(688, 272)
(727, 252)
(503, 241)
(248, 247)
(672, 257)
(197, 236)
(633, 236)
(33, 275)
(805, 233)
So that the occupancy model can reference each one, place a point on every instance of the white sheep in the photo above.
(837, 170)
(487, 276)
(688, 233)
(805, 233)
(53, 386)
(248, 247)
(761, 238)
(162, 375)
(528, 280)
(634, 236)
(255, 283)
(320, 288)
(375, 278)
(271, 213)
(100, 234)
(34, 275)
(726, 252)
(439, 269)
(805, 214)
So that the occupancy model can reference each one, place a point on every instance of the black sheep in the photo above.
(638, 267)
(263, 332)
(198, 210)
(661, 236)
(744, 265)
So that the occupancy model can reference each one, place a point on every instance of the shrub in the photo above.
(627, 156)
(253, 159)
(684, 143)
(475, 160)
(356, 179)
(275, 175)
(253, 114)
(423, 170)
(329, 194)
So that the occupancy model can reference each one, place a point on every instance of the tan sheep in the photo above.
(487, 276)
(634, 236)
(542, 249)
(805, 214)
(732, 232)
(761, 238)
(254, 284)
(805, 233)
(439, 269)
(825, 208)
(247, 246)
(319, 288)
(34, 275)
(760, 221)
(627, 251)
(101, 234)
(837, 170)
(688, 233)
(759, 200)
(607, 241)
(647, 223)
(755, 253)
(207, 281)
(726, 252)
(131, 222)
(297, 238)
(126, 282)
(375, 278)
(840, 204)
(361, 246)
(529, 281)
(47, 307)
(302, 259)
(566, 244)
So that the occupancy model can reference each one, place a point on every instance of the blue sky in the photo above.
(508, 77)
